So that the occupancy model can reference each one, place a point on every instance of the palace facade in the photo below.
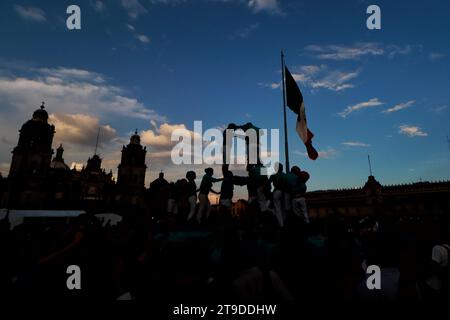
(414, 199)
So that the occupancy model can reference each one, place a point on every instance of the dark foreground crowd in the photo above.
(191, 254)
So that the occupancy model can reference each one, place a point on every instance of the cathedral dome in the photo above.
(59, 165)
(135, 138)
(40, 114)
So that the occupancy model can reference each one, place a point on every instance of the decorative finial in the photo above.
(43, 105)
(136, 131)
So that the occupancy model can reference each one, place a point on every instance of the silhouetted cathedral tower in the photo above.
(132, 166)
(33, 153)
(58, 161)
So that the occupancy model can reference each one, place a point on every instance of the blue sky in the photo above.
(158, 65)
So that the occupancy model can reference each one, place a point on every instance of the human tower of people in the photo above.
(278, 194)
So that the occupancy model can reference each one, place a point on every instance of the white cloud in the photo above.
(274, 85)
(374, 102)
(310, 69)
(411, 131)
(340, 52)
(358, 51)
(334, 81)
(61, 74)
(134, 8)
(399, 107)
(31, 13)
(98, 5)
(328, 153)
(355, 144)
(244, 33)
(143, 38)
(270, 6)
(80, 129)
(71, 91)
(394, 51)
(320, 77)
(161, 137)
(440, 108)
(435, 56)
(140, 37)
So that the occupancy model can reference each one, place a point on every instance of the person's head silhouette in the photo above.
(190, 175)
(278, 167)
(209, 171)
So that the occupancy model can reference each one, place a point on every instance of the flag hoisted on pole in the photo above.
(293, 98)
(286, 145)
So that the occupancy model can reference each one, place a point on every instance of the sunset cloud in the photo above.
(411, 131)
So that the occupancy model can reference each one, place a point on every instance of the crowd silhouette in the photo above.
(180, 198)
(186, 252)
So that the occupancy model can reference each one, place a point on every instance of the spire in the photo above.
(370, 165)
(96, 143)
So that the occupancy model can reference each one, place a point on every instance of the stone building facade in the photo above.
(36, 181)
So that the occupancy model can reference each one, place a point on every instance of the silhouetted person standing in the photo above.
(279, 189)
(226, 190)
(258, 187)
(206, 187)
(297, 184)
(192, 193)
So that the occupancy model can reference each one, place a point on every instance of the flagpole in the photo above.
(286, 145)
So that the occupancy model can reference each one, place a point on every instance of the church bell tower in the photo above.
(33, 153)
(131, 173)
